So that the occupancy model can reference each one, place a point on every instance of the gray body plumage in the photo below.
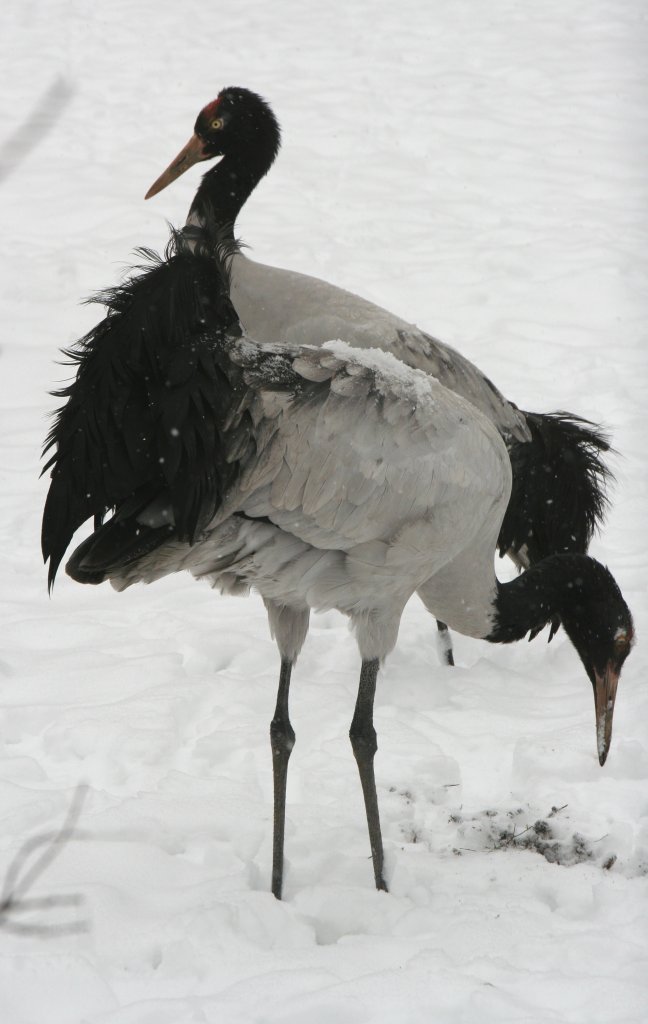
(282, 306)
(376, 483)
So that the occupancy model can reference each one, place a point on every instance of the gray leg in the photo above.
(445, 644)
(363, 741)
(282, 738)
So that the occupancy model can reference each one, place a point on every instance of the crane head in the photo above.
(235, 121)
(599, 624)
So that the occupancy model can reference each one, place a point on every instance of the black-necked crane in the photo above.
(330, 477)
(558, 495)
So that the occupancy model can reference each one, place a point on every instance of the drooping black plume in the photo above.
(558, 498)
(144, 416)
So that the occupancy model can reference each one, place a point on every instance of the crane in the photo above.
(324, 477)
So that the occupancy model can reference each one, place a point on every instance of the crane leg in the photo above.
(282, 739)
(363, 741)
(444, 644)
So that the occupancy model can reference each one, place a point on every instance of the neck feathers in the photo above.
(226, 187)
(537, 597)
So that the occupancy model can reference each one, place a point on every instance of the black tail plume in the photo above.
(558, 498)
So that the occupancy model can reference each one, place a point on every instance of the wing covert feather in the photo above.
(367, 447)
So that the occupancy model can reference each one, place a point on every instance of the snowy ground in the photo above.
(478, 168)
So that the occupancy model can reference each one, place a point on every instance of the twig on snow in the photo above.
(19, 879)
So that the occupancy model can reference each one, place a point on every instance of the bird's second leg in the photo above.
(363, 741)
(444, 644)
(282, 739)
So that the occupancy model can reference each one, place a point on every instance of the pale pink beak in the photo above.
(186, 158)
(605, 689)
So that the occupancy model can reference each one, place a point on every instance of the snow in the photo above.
(478, 169)
(414, 385)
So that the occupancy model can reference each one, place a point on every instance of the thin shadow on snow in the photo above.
(36, 126)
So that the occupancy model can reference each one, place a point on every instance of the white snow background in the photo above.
(479, 168)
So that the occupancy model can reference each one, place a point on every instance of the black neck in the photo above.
(226, 187)
(527, 603)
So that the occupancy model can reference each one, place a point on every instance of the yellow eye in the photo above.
(217, 124)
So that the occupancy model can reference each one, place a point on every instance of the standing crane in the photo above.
(321, 477)
(558, 494)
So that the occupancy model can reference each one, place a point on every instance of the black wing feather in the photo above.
(145, 413)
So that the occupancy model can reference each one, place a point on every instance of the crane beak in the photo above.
(186, 158)
(605, 688)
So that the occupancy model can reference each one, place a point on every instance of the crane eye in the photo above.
(217, 124)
